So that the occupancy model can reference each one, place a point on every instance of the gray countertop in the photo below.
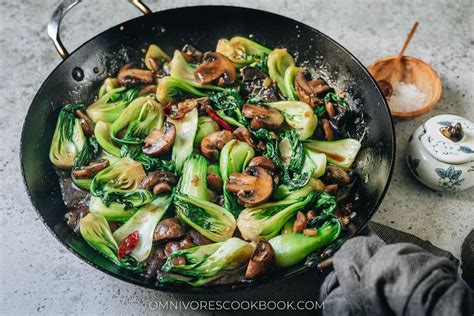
(40, 275)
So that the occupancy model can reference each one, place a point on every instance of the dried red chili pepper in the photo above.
(218, 119)
(127, 245)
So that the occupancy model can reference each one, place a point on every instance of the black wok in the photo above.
(78, 76)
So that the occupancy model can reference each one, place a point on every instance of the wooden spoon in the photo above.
(384, 84)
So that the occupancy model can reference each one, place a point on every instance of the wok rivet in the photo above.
(78, 74)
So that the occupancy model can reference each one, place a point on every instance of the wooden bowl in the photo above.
(410, 70)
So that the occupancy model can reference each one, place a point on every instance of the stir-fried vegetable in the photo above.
(185, 132)
(68, 138)
(144, 222)
(340, 152)
(155, 57)
(120, 183)
(242, 51)
(289, 80)
(279, 61)
(234, 158)
(137, 120)
(211, 141)
(292, 248)
(299, 116)
(110, 105)
(211, 220)
(265, 221)
(96, 232)
(204, 263)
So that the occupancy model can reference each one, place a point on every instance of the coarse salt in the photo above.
(406, 98)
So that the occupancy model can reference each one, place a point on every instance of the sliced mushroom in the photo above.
(156, 177)
(300, 223)
(265, 163)
(327, 128)
(331, 189)
(330, 109)
(159, 141)
(261, 262)
(215, 67)
(86, 123)
(214, 181)
(212, 143)
(174, 246)
(89, 171)
(151, 88)
(74, 216)
(308, 90)
(197, 238)
(337, 175)
(242, 133)
(191, 54)
(161, 188)
(130, 76)
(179, 110)
(156, 261)
(252, 188)
(170, 228)
(258, 85)
(263, 116)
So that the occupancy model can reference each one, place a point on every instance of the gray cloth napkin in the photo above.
(371, 277)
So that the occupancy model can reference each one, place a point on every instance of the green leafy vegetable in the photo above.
(144, 222)
(234, 157)
(342, 152)
(171, 89)
(120, 183)
(102, 134)
(185, 132)
(265, 221)
(110, 105)
(292, 248)
(114, 212)
(193, 180)
(211, 220)
(96, 232)
(137, 120)
(293, 158)
(149, 164)
(155, 56)
(241, 51)
(206, 126)
(108, 85)
(228, 104)
(68, 139)
(279, 61)
(289, 80)
(204, 263)
(299, 115)
(331, 96)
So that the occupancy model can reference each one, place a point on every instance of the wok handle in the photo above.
(58, 14)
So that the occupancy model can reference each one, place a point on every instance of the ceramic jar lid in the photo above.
(449, 138)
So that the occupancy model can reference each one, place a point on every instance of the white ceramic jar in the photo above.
(440, 153)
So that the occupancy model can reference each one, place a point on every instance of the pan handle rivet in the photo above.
(78, 74)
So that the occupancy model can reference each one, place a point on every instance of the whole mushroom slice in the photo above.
(308, 90)
(215, 67)
(191, 54)
(159, 141)
(252, 188)
(263, 162)
(213, 143)
(261, 262)
(263, 116)
(130, 76)
(89, 171)
(170, 228)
